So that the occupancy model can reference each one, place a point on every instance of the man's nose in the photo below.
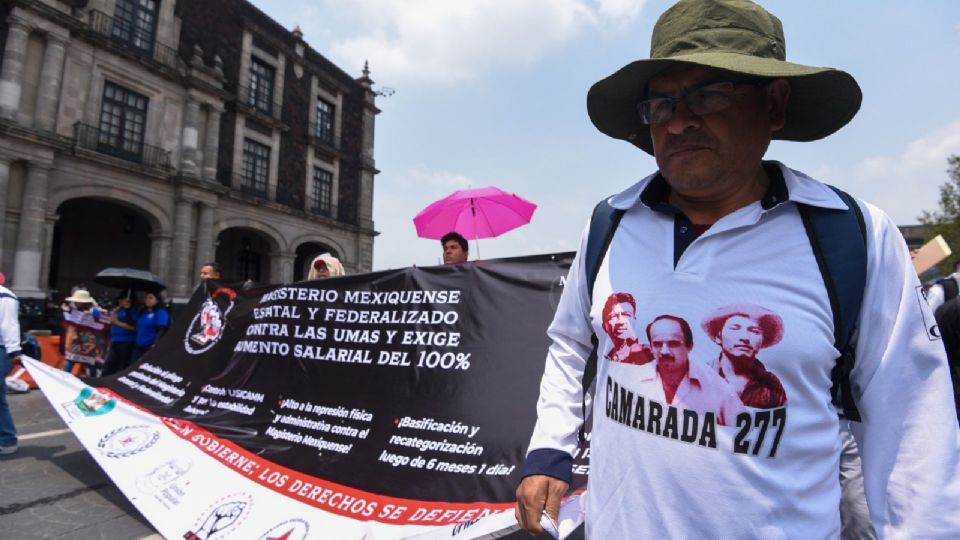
(682, 119)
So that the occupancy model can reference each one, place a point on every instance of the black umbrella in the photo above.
(129, 278)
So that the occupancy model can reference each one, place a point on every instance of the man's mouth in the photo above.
(684, 148)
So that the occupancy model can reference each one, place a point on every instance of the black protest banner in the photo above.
(392, 388)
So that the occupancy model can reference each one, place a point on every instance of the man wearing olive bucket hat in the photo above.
(717, 226)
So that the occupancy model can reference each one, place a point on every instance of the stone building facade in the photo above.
(161, 134)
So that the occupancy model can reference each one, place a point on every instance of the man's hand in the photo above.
(536, 493)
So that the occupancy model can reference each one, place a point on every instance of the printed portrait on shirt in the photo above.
(742, 331)
(619, 317)
(675, 379)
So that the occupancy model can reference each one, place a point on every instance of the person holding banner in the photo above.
(87, 335)
(324, 266)
(152, 322)
(9, 351)
(123, 329)
(455, 248)
(717, 226)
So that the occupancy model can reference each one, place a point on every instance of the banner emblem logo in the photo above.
(127, 441)
(163, 474)
(293, 529)
(220, 518)
(93, 403)
(207, 325)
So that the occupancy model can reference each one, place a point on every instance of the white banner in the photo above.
(191, 484)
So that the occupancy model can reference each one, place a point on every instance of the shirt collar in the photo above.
(788, 185)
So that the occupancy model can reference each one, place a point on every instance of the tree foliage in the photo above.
(946, 220)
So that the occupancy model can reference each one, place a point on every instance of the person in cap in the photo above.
(87, 331)
(324, 266)
(717, 225)
(455, 248)
(741, 331)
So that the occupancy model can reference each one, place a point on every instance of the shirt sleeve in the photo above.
(559, 408)
(909, 440)
(9, 323)
(163, 318)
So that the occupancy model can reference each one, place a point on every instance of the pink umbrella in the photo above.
(474, 213)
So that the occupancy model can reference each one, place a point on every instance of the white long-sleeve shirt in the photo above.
(9, 321)
(774, 473)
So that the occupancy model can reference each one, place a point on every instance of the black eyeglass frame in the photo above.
(644, 107)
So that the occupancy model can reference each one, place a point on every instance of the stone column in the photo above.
(160, 255)
(4, 183)
(188, 149)
(205, 240)
(281, 267)
(11, 74)
(211, 145)
(48, 229)
(30, 237)
(51, 75)
(183, 233)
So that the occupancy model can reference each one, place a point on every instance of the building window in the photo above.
(322, 196)
(135, 23)
(256, 168)
(123, 115)
(325, 117)
(260, 94)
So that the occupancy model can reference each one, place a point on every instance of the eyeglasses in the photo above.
(706, 98)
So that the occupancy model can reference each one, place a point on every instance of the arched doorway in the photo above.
(305, 254)
(244, 254)
(93, 234)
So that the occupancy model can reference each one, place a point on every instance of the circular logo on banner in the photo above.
(226, 513)
(127, 441)
(207, 325)
(292, 529)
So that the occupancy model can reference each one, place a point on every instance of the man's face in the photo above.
(668, 344)
(453, 253)
(740, 337)
(710, 155)
(620, 323)
(208, 272)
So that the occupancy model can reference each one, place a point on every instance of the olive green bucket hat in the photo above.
(737, 36)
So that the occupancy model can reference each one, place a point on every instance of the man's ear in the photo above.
(778, 95)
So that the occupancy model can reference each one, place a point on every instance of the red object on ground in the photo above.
(50, 355)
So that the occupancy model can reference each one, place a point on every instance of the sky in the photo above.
(493, 93)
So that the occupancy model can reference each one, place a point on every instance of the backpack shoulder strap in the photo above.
(950, 288)
(839, 242)
(603, 224)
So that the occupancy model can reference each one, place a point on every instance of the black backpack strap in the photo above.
(603, 223)
(950, 288)
(839, 242)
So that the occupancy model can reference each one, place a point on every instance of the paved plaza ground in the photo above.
(53, 488)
